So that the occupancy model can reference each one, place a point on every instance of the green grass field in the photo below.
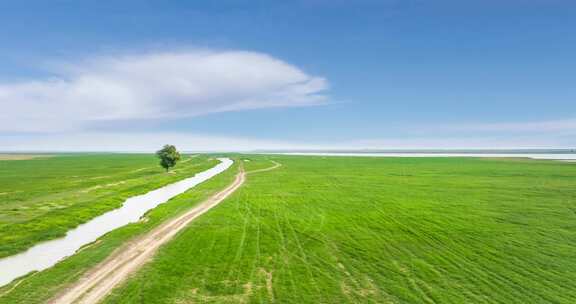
(41, 286)
(42, 198)
(356, 230)
(377, 230)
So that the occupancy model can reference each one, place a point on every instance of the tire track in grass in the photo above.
(284, 253)
(256, 220)
(418, 237)
(415, 282)
(353, 274)
(239, 250)
(245, 246)
(302, 254)
(507, 279)
(245, 210)
(256, 259)
(453, 257)
(304, 257)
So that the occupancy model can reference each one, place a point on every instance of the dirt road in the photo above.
(276, 165)
(97, 283)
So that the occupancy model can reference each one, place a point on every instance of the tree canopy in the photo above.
(169, 156)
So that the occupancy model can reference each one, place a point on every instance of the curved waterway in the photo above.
(46, 254)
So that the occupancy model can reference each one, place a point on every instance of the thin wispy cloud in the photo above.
(155, 85)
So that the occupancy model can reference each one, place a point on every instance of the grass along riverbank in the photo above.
(41, 286)
(42, 198)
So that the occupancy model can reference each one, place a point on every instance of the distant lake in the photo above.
(551, 156)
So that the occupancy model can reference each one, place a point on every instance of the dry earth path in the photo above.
(98, 282)
(276, 165)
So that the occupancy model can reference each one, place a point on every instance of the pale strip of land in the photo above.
(20, 156)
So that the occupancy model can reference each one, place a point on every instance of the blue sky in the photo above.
(99, 75)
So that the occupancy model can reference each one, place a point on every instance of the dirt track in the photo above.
(97, 283)
(276, 165)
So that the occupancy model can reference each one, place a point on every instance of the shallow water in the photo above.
(557, 156)
(46, 254)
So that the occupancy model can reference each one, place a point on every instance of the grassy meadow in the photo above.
(377, 230)
(348, 230)
(41, 286)
(43, 197)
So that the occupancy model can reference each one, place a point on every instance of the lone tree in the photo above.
(168, 156)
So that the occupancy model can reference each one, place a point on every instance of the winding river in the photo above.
(46, 254)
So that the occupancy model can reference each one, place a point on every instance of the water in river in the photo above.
(46, 254)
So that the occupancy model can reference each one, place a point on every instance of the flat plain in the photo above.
(377, 230)
(355, 230)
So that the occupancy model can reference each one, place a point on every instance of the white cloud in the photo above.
(157, 85)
